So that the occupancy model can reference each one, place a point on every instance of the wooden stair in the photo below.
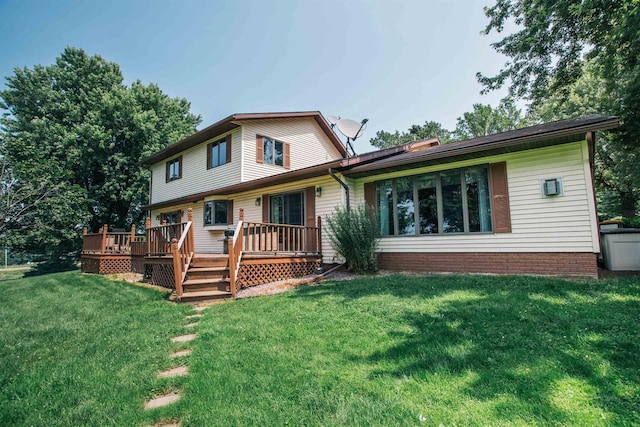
(207, 278)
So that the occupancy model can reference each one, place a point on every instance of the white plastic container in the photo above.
(621, 249)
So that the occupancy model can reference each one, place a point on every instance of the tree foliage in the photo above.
(487, 120)
(73, 131)
(429, 129)
(559, 47)
(483, 120)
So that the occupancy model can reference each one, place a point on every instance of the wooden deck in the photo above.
(258, 253)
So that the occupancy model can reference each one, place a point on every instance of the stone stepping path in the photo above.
(180, 353)
(172, 397)
(174, 372)
(184, 338)
(165, 400)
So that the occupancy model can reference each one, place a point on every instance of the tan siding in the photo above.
(309, 145)
(195, 175)
(553, 224)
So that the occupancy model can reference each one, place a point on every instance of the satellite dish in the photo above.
(333, 120)
(352, 130)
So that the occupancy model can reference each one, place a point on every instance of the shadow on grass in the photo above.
(555, 347)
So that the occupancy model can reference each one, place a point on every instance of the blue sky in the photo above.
(396, 63)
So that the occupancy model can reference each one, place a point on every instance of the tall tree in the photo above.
(486, 120)
(75, 129)
(551, 48)
(429, 129)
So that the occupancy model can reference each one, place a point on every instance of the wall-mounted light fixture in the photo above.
(318, 191)
(258, 201)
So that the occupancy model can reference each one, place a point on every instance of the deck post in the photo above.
(177, 271)
(84, 230)
(103, 247)
(191, 239)
(241, 214)
(319, 235)
(133, 236)
(147, 226)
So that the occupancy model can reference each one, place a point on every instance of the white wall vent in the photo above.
(551, 187)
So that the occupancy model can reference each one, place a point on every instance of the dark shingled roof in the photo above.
(547, 134)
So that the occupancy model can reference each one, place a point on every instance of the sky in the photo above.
(397, 63)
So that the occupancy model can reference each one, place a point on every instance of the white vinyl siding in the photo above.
(553, 224)
(309, 145)
(196, 177)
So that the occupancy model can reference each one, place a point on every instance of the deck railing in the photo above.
(176, 241)
(258, 237)
(159, 238)
(108, 242)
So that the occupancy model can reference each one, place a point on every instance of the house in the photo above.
(244, 199)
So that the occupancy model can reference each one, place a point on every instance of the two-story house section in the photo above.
(228, 165)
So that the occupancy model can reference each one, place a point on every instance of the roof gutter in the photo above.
(345, 186)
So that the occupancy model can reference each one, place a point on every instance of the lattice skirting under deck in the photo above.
(162, 275)
(106, 264)
(257, 273)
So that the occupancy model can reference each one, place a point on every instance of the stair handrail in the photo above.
(182, 253)
(235, 253)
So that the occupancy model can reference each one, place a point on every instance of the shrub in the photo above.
(354, 235)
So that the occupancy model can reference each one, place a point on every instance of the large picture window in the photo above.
(455, 201)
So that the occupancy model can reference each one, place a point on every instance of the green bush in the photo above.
(354, 235)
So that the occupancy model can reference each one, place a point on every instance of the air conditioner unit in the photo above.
(552, 187)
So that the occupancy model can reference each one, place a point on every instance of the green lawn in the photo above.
(81, 350)
(396, 350)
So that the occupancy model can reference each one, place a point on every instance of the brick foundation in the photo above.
(538, 263)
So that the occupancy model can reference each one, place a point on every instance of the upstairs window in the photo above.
(273, 152)
(218, 212)
(219, 152)
(174, 169)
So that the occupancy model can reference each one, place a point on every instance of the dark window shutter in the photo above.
(370, 194)
(229, 211)
(259, 149)
(228, 148)
(265, 208)
(286, 155)
(209, 155)
(310, 206)
(179, 167)
(310, 214)
(167, 171)
(500, 198)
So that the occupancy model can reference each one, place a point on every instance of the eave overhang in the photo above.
(538, 136)
(233, 122)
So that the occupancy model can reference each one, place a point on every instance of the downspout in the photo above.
(345, 186)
